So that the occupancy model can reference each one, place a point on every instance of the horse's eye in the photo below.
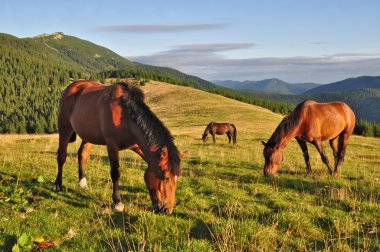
(166, 179)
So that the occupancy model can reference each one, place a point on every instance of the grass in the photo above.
(223, 201)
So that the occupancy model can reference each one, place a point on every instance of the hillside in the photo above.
(223, 201)
(268, 86)
(347, 84)
(82, 52)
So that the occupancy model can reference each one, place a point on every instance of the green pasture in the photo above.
(223, 201)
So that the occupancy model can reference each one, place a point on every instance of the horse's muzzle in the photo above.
(163, 210)
(269, 174)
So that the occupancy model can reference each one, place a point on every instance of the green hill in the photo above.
(84, 53)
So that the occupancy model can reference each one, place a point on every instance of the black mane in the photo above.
(154, 131)
(286, 125)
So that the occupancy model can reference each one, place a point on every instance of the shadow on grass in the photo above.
(9, 241)
(46, 191)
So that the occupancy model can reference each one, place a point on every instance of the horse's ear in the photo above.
(264, 143)
(164, 153)
(183, 153)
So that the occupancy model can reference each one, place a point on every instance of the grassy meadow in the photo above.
(223, 201)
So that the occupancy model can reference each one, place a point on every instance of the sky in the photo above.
(298, 41)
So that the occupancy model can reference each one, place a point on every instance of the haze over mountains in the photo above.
(278, 86)
(273, 85)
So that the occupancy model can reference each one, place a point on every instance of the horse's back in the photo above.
(327, 119)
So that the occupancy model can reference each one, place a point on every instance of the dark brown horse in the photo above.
(220, 129)
(116, 116)
(312, 122)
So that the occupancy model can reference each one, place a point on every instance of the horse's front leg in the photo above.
(113, 154)
(61, 157)
(213, 137)
(83, 154)
(305, 153)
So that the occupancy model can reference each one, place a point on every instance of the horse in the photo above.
(220, 129)
(116, 116)
(311, 122)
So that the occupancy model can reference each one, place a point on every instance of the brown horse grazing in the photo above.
(116, 116)
(220, 129)
(311, 122)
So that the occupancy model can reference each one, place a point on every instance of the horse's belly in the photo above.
(87, 129)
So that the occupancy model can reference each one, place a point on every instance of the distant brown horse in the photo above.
(116, 116)
(311, 122)
(220, 129)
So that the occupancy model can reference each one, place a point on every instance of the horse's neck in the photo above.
(285, 137)
(208, 129)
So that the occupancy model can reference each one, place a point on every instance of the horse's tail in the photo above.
(73, 137)
(234, 134)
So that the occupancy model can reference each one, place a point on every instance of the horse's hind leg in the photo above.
(318, 145)
(343, 140)
(113, 154)
(334, 147)
(229, 137)
(61, 157)
(305, 153)
(83, 154)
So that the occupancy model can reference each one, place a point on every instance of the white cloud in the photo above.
(205, 61)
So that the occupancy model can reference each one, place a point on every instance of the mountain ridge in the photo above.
(272, 85)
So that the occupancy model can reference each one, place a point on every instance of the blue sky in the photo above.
(297, 41)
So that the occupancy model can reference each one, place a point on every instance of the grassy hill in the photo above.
(223, 201)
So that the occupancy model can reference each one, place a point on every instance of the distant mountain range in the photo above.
(347, 84)
(277, 86)
(273, 85)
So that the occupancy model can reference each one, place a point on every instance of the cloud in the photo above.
(159, 28)
(205, 61)
(208, 48)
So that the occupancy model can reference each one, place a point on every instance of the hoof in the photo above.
(83, 183)
(58, 188)
(119, 207)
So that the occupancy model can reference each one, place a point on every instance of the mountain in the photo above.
(227, 83)
(273, 85)
(348, 84)
(82, 52)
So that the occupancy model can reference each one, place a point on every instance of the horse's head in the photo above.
(204, 138)
(161, 181)
(273, 158)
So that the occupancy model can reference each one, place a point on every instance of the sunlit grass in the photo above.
(223, 201)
